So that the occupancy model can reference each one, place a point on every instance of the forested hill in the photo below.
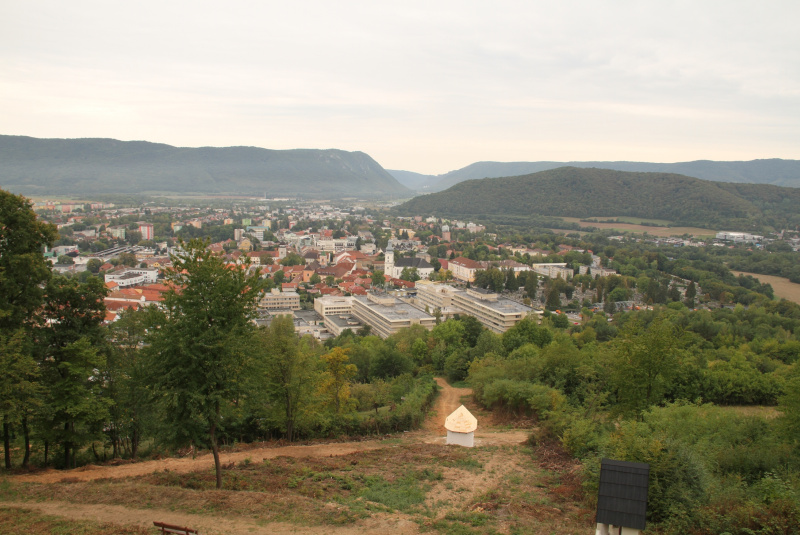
(81, 166)
(576, 192)
(773, 171)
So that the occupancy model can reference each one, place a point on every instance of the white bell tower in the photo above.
(388, 262)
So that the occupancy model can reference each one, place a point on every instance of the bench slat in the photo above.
(178, 530)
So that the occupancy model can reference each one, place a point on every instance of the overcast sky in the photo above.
(422, 86)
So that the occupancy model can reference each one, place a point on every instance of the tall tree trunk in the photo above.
(46, 451)
(66, 447)
(134, 443)
(7, 443)
(215, 450)
(27, 436)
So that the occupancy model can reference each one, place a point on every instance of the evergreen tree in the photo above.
(512, 284)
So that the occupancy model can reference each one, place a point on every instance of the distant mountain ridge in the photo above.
(578, 192)
(79, 166)
(774, 171)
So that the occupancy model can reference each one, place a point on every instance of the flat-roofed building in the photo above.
(276, 299)
(338, 323)
(333, 305)
(387, 315)
(133, 276)
(432, 296)
(495, 313)
(553, 270)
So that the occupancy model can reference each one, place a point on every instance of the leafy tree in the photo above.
(292, 259)
(691, 293)
(199, 355)
(409, 274)
(287, 366)
(790, 407)
(128, 259)
(93, 265)
(378, 279)
(278, 277)
(444, 275)
(526, 332)
(512, 284)
(68, 345)
(126, 379)
(553, 290)
(618, 294)
(389, 362)
(65, 259)
(315, 279)
(531, 284)
(336, 380)
(23, 274)
(472, 329)
(673, 294)
(19, 389)
(645, 360)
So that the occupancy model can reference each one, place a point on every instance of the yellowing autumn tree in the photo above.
(336, 380)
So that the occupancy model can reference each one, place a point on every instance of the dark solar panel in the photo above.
(622, 497)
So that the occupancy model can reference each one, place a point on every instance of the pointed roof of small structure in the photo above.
(461, 421)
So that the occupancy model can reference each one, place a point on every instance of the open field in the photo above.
(406, 483)
(784, 288)
(654, 231)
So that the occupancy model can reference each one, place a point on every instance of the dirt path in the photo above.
(449, 400)
(201, 462)
(432, 432)
(205, 524)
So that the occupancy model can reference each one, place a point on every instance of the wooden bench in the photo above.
(179, 530)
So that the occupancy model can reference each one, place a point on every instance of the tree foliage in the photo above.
(200, 352)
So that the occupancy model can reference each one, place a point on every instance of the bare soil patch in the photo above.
(654, 231)
(406, 483)
(784, 288)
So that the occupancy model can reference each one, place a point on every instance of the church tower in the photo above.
(388, 262)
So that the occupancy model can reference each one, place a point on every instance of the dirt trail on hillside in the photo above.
(432, 431)
(206, 524)
(201, 462)
(449, 400)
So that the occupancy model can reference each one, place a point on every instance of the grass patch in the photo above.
(443, 489)
(401, 494)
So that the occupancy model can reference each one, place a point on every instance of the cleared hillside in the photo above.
(576, 192)
(90, 166)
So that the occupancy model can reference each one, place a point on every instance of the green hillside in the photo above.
(773, 171)
(577, 192)
(83, 166)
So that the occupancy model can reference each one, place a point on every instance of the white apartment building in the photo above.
(278, 300)
(333, 305)
(387, 315)
(495, 313)
(553, 270)
(337, 245)
(133, 277)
